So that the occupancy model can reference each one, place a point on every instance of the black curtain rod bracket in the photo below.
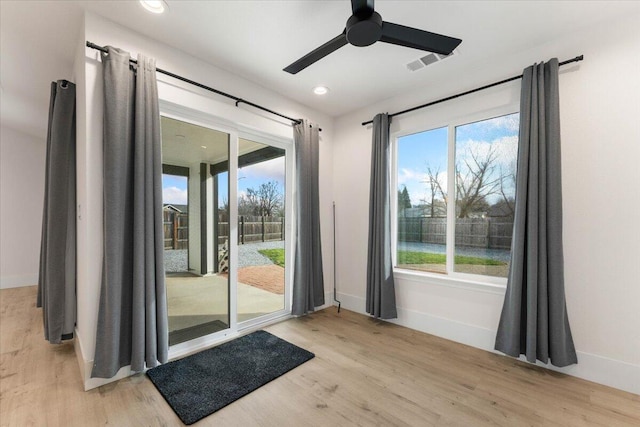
(200, 85)
(478, 89)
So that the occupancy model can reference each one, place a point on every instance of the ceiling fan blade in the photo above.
(362, 7)
(317, 54)
(418, 39)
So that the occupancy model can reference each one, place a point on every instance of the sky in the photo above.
(174, 188)
(416, 152)
(428, 149)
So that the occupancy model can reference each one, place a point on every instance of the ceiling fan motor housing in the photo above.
(364, 31)
(365, 27)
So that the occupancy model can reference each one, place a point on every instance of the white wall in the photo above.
(600, 111)
(88, 71)
(22, 167)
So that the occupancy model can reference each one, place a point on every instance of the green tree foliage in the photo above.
(404, 200)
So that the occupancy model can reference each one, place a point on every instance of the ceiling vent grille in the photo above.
(415, 65)
(429, 59)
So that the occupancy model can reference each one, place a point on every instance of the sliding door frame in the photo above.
(235, 132)
(287, 146)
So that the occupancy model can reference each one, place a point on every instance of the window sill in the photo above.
(493, 285)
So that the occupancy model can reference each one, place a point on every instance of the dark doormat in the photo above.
(205, 382)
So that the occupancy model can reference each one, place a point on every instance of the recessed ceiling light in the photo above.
(154, 6)
(320, 90)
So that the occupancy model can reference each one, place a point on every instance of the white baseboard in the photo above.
(7, 282)
(87, 365)
(602, 370)
(328, 300)
(91, 383)
(353, 303)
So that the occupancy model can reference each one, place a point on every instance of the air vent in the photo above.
(429, 59)
(415, 65)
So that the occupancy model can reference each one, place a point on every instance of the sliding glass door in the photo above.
(262, 223)
(226, 220)
(197, 288)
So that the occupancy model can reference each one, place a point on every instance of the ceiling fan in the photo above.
(365, 27)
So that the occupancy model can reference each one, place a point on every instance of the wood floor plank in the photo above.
(366, 373)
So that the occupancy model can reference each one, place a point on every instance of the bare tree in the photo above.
(223, 210)
(508, 178)
(477, 179)
(437, 207)
(244, 206)
(266, 200)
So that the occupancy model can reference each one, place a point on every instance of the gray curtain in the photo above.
(308, 283)
(132, 317)
(57, 278)
(534, 319)
(381, 294)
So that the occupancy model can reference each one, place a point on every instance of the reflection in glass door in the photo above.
(195, 178)
(175, 214)
(261, 229)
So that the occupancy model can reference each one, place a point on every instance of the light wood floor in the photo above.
(365, 372)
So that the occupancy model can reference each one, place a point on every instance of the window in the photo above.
(471, 232)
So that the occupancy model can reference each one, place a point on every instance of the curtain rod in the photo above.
(448, 98)
(200, 85)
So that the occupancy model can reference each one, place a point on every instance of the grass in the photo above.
(275, 255)
(407, 257)
(404, 258)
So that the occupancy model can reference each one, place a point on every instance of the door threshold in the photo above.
(187, 348)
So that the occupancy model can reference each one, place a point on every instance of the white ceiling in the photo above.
(186, 144)
(256, 39)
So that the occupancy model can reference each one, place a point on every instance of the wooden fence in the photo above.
(493, 233)
(250, 229)
(176, 229)
(254, 229)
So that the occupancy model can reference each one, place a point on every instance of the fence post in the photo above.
(421, 227)
(175, 230)
(488, 237)
(263, 231)
(242, 229)
(281, 228)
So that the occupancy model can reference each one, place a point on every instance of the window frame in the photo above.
(450, 277)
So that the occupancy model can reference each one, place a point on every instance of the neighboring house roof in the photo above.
(499, 210)
(177, 208)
